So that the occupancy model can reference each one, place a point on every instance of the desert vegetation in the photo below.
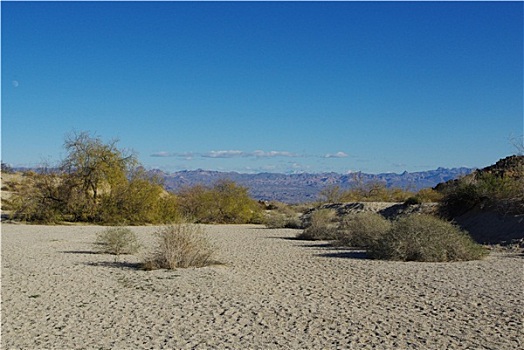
(499, 187)
(362, 230)
(117, 241)
(323, 225)
(180, 245)
(496, 191)
(282, 215)
(376, 192)
(101, 183)
(224, 203)
(414, 237)
(425, 238)
(96, 182)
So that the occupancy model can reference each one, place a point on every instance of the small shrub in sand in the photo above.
(281, 215)
(281, 220)
(362, 229)
(117, 240)
(426, 238)
(179, 246)
(323, 226)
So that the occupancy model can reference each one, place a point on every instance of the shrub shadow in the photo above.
(79, 252)
(345, 252)
(117, 264)
(319, 245)
(352, 254)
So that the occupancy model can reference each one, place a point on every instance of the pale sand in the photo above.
(272, 293)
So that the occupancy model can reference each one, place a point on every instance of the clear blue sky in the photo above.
(266, 86)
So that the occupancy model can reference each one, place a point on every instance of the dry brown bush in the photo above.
(117, 240)
(179, 246)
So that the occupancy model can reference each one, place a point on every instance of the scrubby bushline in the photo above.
(411, 237)
(97, 182)
(376, 192)
(499, 187)
(100, 183)
(281, 215)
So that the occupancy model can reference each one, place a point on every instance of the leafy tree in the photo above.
(232, 203)
(140, 199)
(97, 182)
(94, 167)
(194, 202)
(39, 197)
(224, 202)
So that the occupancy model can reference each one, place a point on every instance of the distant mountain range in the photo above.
(300, 188)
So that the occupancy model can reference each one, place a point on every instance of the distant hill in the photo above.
(300, 188)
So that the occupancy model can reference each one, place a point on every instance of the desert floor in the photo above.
(271, 292)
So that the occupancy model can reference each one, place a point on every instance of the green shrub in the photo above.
(426, 238)
(223, 203)
(280, 220)
(413, 201)
(323, 225)
(38, 198)
(374, 192)
(117, 240)
(179, 246)
(281, 215)
(504, 191)
(362, 229)
(461, 199)
(428, 195)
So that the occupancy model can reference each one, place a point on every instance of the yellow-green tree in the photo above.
(96, 182)
(94, 167)
(225, 202)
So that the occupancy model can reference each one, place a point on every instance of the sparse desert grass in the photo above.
(426, 238)
(117, 241)
(279, 220)
(179, 246)
(362, 229)
(282, 216)
(323, 225)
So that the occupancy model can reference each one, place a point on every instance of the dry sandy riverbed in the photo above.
(272, 292)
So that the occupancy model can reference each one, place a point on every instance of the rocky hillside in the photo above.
(509, 167)
(489, 202)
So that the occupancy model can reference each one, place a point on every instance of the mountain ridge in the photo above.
(305, 187)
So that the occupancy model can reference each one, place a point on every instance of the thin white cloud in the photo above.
(223, 154)
(243, 154)
(337, 155)
(163, 154)
(271, 154)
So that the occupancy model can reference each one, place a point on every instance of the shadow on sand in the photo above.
(79, 252)
(350, 254)
(117, 264)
